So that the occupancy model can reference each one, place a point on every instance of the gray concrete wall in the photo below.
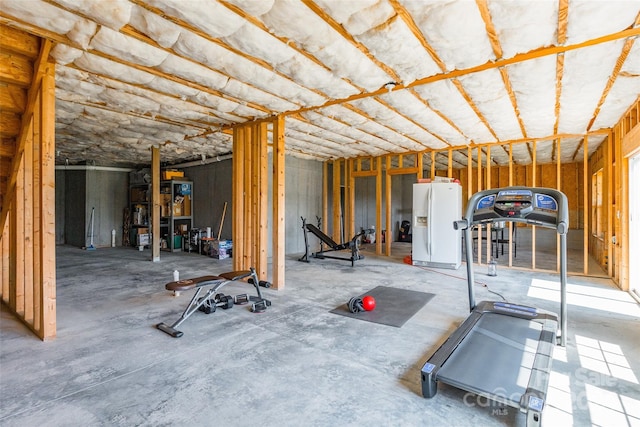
(107, 191)
(75, 230)
(77, 191)
(60, 210)
(212, 187)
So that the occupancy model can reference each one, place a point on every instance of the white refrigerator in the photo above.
(435, 243)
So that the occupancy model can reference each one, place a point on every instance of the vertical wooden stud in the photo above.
(278, 197)
(155, 203)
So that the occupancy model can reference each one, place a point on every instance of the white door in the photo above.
(634, 224)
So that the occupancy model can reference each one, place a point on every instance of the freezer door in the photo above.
(446, 207)
(421, 222)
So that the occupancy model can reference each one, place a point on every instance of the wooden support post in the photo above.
(511, 224)
(433, 165)
(450, 164)
(278, 197)
(559, 188)
(46, 251)
(585, 200)
(379, 208)
(479, 227)
(487, 187)
(238, 218)
(155, 203)
(388, 200)
(534, 167)
(609, 205)
(325, 197)
(337, 206)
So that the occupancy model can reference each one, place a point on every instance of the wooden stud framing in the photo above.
(534, 169)
(27, 221)
(479, 228)
(337, 206)
(278, 205)
(155, 203)
(486, 187)
(379, 209)
(585, 195)
(609, 205)
(387, 197)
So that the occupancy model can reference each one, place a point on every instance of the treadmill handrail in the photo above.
(561, 226)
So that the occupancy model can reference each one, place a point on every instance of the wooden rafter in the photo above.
(612, 78)
(533, 54)
(492, 34)
(563, 20)
(368, 117)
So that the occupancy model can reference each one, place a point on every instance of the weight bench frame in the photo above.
(216, 283)
(352, 244)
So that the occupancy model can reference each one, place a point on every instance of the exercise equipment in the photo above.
(503, 351)
(353, 244)
(212, 299)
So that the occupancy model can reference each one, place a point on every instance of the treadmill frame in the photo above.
(532, 401)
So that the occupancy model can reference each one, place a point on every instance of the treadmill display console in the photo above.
(514, 203)
(522, 204)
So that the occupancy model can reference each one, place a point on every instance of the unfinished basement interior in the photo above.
(320, 212)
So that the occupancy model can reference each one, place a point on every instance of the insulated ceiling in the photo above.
(354, 78)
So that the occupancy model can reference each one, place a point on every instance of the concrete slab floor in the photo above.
(296, 364)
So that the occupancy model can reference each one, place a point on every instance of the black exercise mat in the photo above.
(393, 306)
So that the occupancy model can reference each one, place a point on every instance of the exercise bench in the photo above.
(352, 244)
(211, 299)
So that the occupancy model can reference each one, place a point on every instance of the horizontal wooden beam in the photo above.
(9, 124)
(19, 42)
(13, 98)
(15, 69)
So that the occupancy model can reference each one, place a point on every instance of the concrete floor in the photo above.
(296, 364)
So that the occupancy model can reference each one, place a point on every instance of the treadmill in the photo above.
(503, 351)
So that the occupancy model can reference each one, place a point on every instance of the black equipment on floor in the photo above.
(353, 244)
(211, 299)
(404, 234)
(503, 351)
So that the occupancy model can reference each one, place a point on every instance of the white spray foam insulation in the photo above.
(488, 92)
(581, 90)
(446, 98)
(127, 48)
(624, 91)
(64, 54)
(113, 13)
(41, 14)
(396, 46)
(294, 20)
(454, 29)
(211, 17)
(523, 26)
(193, 72)
(520, 154)
(544, 152)
(255, 8)
(589, 19)
(399, 123)
(163, 31)
(534, 85)
(409, 105)
(115, 70)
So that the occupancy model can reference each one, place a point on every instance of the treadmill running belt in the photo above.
(495, 359)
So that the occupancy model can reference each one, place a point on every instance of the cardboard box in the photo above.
(169, 174)
(221, 249)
